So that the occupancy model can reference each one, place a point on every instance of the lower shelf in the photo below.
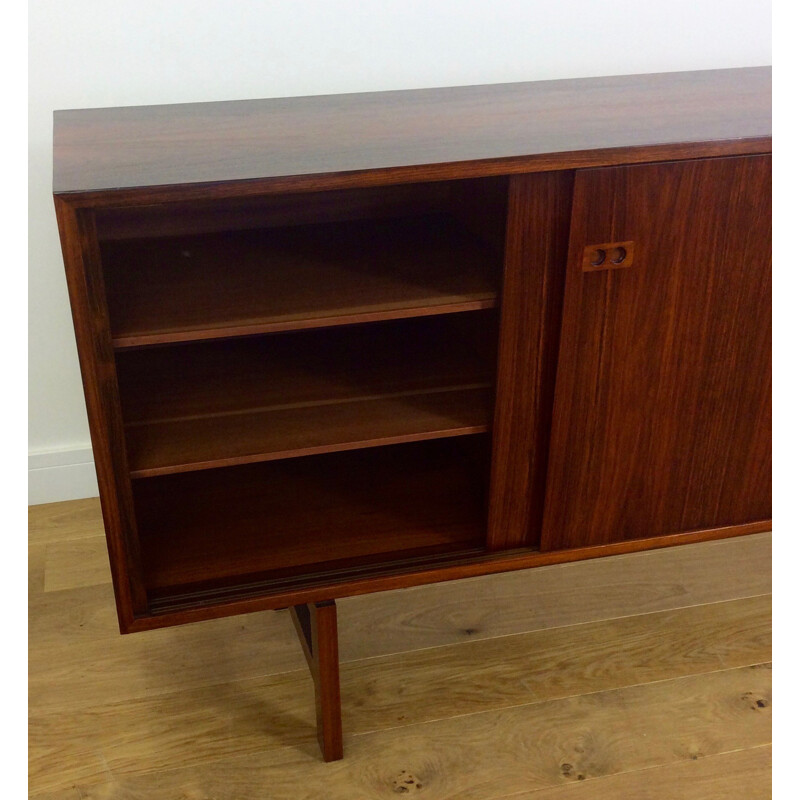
(224, 528)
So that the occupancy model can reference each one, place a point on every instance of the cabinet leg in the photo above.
(315, 624)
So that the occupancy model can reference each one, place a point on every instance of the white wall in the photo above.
(89, 54)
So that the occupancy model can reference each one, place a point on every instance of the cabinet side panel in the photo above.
(536, 250)
(98, 371)
(662, 419)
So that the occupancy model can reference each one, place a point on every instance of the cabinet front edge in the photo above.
(416, 173)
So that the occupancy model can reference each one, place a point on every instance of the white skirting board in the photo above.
(56, 475)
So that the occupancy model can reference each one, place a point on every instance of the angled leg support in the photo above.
(316, 628)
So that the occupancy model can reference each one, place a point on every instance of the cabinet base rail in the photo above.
(317, 630)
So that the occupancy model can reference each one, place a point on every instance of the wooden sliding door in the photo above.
(537, 236)
(661, 418)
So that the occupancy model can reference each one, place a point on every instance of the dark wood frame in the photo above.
(504, 159)
(315, 624)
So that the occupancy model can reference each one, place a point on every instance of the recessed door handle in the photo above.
(608, 255)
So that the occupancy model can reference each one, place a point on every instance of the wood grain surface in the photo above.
(423, 686)
(317, 631)
(736, 775)
(88, 303)
(499, 752)
(533, 293)
(410, 135)
(662, 413)
(269, 434)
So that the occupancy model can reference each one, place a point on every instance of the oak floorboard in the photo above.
(738, 775)
(444, 682)
(75, 563)
(59, 522)
(37, 554)
(157, 662)
(204, 654)
(70, 619)
(273, 712)
(549, 597)
(491, 754)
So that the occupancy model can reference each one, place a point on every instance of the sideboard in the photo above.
(341, 344)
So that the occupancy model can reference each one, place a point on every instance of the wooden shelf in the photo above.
(162, 448)
(202, 530)
(239, 401)
(237, 283)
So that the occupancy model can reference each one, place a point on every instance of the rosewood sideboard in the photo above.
(340, 344)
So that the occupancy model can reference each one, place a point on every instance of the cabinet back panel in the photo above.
(280, 210)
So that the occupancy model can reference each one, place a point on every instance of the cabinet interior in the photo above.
(306, 381)
(247, 528)
(196, 272)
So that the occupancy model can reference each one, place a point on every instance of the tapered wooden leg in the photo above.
(316, 627)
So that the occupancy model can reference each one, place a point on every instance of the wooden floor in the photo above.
(641, 676)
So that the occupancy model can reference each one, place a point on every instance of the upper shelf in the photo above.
(227, 284)
(144, 153)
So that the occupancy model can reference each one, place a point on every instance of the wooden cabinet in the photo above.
(337, 345)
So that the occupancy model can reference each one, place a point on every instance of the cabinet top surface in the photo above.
(144, 147)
